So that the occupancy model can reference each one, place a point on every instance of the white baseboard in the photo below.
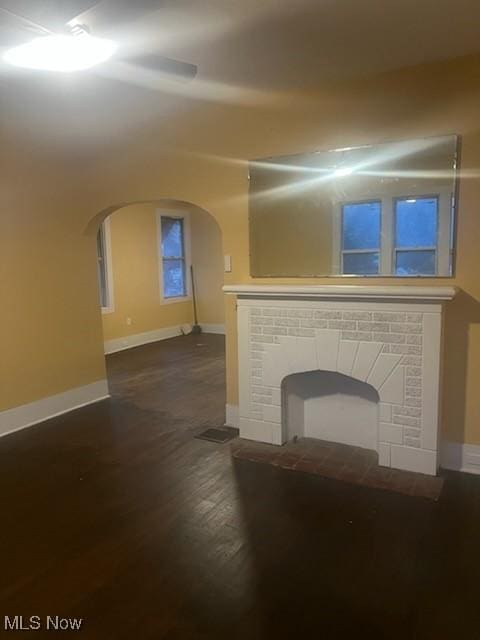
(136, 340)
(27, 415)
(213, 328)
(461, 457)
(231, 415)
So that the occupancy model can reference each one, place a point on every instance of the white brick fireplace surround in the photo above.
(386, 336)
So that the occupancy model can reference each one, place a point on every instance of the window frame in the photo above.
(445, 238)
(105, 231)
(185, 217)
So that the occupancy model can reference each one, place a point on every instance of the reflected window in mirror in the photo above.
(361, 222)
(416, 236)
(402, 235)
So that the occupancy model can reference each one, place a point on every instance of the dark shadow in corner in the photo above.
(460, 313)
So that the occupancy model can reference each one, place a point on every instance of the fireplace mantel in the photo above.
(388, 337)
(388, 293)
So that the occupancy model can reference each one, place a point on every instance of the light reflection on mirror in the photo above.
(385, 209)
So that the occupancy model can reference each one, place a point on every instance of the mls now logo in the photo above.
(34, 623)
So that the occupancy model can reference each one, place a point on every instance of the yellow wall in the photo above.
(50, 326)
(207, 261)
(207, 170)
(135, 269)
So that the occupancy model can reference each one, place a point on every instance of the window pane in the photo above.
(416, 222)
(360, 263)
(361, 225)
(415, 263)
(173, 278)
(172, 238)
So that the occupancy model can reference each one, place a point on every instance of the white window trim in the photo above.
(185, 216)
(110, 308)
(444, 252)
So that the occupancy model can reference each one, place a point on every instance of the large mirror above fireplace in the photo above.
(379, 210)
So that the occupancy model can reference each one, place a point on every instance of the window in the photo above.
(174, 275)
(361, 223)
(104, 268)
(397, 234)
(416, 231)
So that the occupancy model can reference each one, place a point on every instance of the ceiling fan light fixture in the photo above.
(63, 53)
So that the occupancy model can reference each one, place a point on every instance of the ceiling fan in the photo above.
(58, 35)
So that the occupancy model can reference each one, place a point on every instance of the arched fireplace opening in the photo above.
(330, 406)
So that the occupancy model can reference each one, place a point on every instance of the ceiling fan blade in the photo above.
(47, 16)
(16, 21)
(153, 62)
(110, 13)
(65, 11)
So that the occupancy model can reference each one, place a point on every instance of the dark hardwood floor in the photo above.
(117, 515)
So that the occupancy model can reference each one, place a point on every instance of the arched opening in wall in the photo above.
(160, 274)
(330, 406)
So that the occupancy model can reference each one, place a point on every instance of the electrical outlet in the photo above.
(129, 321)
(228, 263)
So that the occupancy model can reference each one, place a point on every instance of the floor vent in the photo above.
(218, 434)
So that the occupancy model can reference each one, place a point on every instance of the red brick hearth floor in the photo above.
(339, 462)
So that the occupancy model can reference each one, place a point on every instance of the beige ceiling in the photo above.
(246, 51)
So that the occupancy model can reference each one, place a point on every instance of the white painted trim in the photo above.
(340, 304)
(137, 339)
(213, 328)
(432, 332)
(389, 293)
(29, 414)
(176, 300)
(107, 238)
(231, 415)
(387, 238)
(460, 457)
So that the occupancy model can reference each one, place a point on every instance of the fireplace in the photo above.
(354, 364)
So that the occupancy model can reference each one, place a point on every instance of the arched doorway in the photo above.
(144, 254)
